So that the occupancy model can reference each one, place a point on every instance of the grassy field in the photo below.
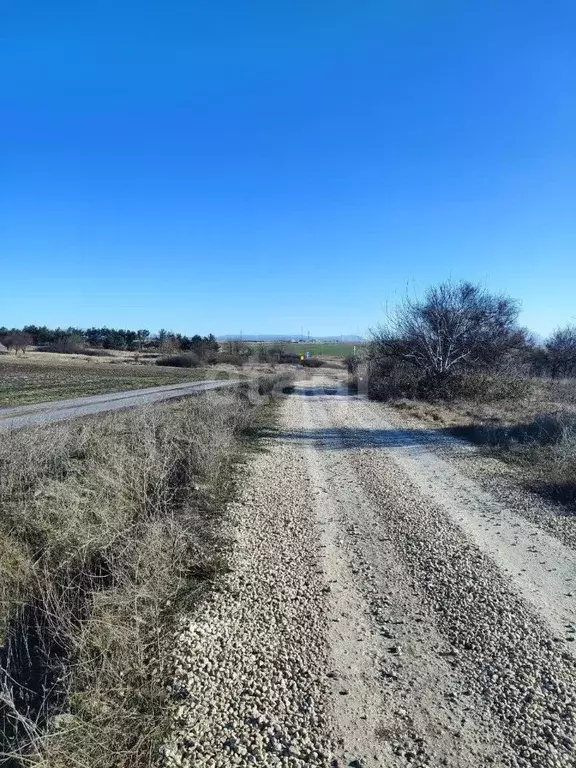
(325, 350)
(49, 377)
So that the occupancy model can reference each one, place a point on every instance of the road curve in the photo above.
(63, 410)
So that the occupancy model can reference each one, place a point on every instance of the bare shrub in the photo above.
(19, 341)
(232, 358)
(272, 385)
(561, 352)
(183, 360)
(351, 363)
(72, 344)
(485, 387)
(390, 378)
(455, 328)
(89, 352)
(237, 347)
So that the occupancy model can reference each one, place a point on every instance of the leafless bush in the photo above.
(73, 344)
(19, 341)
(560, 390)
(271, 385)
(561, 352)
(230, 358)
(352, 362)
(183, 360)
(89, 352)
(454, 329)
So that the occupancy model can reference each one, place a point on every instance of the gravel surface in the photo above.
(504, 480)
(249, 677)
(368, 618)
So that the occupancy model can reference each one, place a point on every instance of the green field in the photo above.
(327, 349)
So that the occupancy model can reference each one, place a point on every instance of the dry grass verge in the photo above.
(530, 423)
(544, 448)
(108, 528)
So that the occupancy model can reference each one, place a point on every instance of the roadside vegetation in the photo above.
(459, 359)
(110, 528)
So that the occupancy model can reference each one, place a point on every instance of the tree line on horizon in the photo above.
(72, 339)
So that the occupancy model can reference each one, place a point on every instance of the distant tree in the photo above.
(73, 343)
(19, 341)
(561, 351)
(94, 337)
(205, 347)
(237, 347)
(72, 338)
(130, 339)
(197, 343)
(272, 354)
(40, 334)
(168, 341)
(185, 342)
(142, 335)
(212, 343)
(115, 339)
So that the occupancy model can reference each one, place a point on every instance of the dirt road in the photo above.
(381, 610)
(63, 410)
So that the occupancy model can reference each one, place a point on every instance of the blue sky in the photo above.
(266, 166)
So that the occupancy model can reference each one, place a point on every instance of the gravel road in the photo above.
(381, 610)
(64, 410)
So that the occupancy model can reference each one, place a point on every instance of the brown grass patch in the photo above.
(535, 432)
(108, 528)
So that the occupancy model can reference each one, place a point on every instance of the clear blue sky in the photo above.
(210, 165)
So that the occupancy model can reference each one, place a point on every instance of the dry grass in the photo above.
(535, 430)
(108, 527)
(494, 405)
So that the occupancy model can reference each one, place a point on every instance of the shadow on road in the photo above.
(347, 438)
(350, 438)
(340, 390)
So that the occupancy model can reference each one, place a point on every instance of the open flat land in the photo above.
(41, 376)
(321, 349)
